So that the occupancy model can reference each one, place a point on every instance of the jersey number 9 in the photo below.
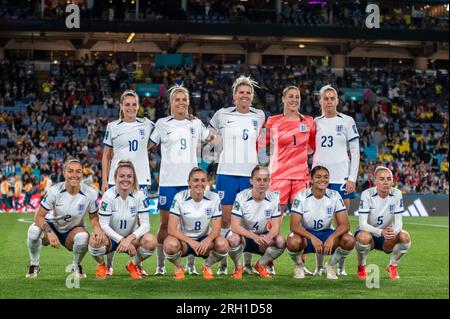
(183, 143)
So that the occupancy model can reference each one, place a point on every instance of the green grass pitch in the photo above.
(424, 272)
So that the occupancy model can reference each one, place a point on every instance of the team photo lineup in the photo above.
(244, 215)
(200, 174)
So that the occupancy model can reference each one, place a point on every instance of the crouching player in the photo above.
(380, 223)
(59, 220)
(189, 226)
(255, 224)
(125, 221)
(314, 210)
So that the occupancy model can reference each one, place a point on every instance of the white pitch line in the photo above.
(431, 225)
(21, 220)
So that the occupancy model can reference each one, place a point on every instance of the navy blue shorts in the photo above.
(379, 242)
(251, 247)
(61, 236)
(341, 189)
(166, 195)
(114, 245)
(191, 251)
(323, 235)
(228, 186)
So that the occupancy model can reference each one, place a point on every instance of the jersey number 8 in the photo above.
(198, 225)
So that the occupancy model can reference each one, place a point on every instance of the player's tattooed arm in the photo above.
(46, 228)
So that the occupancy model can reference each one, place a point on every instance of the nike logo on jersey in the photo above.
(59, 205)
(230, 122)
(168, 133)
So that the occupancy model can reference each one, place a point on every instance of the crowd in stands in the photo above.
(405, 127)
(293, 12)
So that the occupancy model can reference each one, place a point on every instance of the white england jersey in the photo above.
(381, 211)
(317, 213)
(179, 140)
(66, 211)
(195, 216)
(239, 133)
(122, 216)
(255, 216)
(332, 138)
(129, 141)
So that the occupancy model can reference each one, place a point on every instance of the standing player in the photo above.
(255, 224)
(5, 191)
(179, 139)
(292, 137)
(336, 136)
(59, 220)
(127, 138)
(380, 223)
(314, 209)
(189, 226)
(124, 219)
(18, 186)
(239, 128)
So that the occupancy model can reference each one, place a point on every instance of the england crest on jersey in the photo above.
(268, 213)
(391, 209)
(192, 131)
(255, 124)
(208, 212)
(303, 128)
(329, 210)
(133, 210)
(142, 133)
(339, 128)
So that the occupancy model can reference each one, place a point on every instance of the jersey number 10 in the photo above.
(133, 145)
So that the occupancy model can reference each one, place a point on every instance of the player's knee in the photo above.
(81, 238)
(234, 240)
(403, 237)
(294, 242)
(148, 242)
(171, 245)
(348, 242)
(221, 245)
(34, 232)
(364, 238)
(280, 242)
